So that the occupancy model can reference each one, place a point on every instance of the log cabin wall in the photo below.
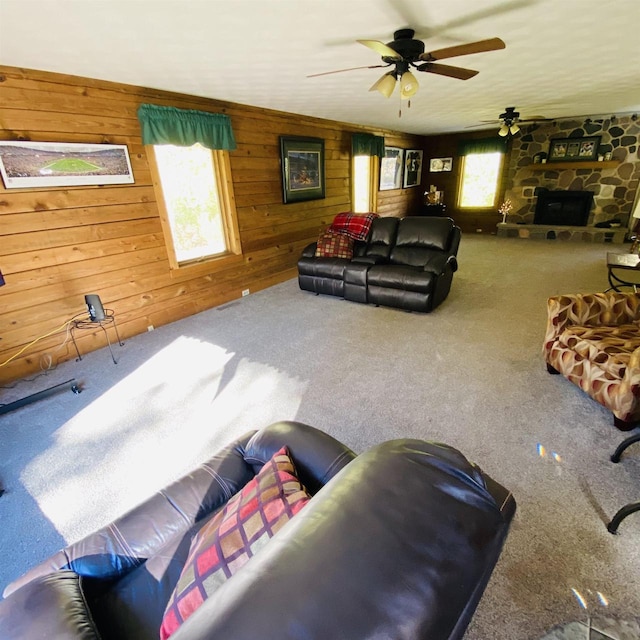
(58, 244)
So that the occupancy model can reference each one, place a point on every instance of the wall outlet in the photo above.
(150, 327)
(245, 292)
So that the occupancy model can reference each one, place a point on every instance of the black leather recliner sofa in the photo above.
(396, 543)
(407, 263)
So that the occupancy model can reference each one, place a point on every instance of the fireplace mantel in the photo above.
(555, 166)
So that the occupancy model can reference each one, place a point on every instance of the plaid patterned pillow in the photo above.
(332, 244)
(233, 535)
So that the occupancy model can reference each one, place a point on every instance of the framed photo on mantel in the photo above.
(574, 149)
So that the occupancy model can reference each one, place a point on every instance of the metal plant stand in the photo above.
(88, 323)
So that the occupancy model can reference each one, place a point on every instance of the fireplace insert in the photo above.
(563, 208)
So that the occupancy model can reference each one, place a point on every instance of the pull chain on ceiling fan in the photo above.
(405, 53)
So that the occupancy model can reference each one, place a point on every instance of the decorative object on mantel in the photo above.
(572, 149)
(505, 209)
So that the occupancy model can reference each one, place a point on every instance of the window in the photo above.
(197, 210)
(365, 184)
(479, 183)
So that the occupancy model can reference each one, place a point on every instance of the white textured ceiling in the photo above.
(563, 57)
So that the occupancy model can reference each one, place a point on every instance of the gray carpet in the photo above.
(470, 375)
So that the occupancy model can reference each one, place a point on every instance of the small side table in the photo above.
(88, 323)
(434, 210)
(622, 261)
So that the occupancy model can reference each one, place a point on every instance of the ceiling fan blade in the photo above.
(381, 48)
(326, 73)
(492, 44)
(447, 70)
(483, 14)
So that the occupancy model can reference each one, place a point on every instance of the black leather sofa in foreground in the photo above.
(407, 263)
(396, 543)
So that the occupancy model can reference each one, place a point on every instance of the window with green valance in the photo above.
(185, 127)
(366, 144)
(482, 145)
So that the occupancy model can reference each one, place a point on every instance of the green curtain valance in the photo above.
(482, 145)
(366, 144)
(185, 127)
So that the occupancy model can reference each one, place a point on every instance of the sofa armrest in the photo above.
(610, 308)
(310, 250)
(317, 455)
(126, 543)
(439, 263)
(401, 543)
(52, 606)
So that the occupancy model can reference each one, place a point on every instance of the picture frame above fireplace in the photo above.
(574, 149)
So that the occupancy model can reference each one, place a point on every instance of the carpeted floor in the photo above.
(596, 629)
(470, 374)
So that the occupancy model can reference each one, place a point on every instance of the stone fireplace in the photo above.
(612, 183)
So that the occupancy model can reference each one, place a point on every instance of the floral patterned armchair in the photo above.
(594, 341)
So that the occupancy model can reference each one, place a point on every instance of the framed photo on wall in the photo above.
(391, 168)
(413, 168)
(572, 149)
(440, 164)
(302, 162)
(27, 164)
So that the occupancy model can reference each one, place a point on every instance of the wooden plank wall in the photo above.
(56, 245)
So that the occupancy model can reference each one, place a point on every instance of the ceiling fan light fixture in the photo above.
(385, 85)
(408, 85)
(504, 130)
(513, 129)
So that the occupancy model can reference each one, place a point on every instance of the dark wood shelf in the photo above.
(584, 164)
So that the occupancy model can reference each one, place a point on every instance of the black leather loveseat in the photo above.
(407, 263)
(397, 543)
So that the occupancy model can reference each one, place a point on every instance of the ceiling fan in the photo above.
(509, 121)
(405, 53)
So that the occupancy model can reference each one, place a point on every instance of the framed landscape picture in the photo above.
(391, 168)
(572, 149)
(302, 162)
(63, 164)
(413, 168)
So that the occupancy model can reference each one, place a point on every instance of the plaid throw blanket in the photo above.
(354, 225)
